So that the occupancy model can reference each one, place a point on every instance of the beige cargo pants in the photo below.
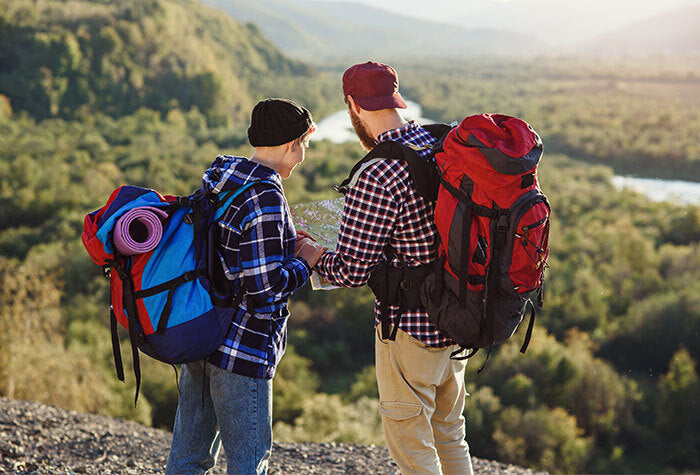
(421, 393)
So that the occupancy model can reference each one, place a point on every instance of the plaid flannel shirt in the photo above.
(257, 238)
(384, 208)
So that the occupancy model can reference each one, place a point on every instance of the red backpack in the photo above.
(493, 222)
(493, 225)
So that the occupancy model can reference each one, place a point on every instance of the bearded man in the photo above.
(421, 389)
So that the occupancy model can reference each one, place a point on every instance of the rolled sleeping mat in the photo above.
(139, 230)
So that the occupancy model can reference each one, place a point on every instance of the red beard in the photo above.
(362, 131)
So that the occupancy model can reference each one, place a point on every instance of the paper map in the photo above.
(321, 220)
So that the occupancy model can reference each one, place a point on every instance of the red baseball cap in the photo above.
(373, 86)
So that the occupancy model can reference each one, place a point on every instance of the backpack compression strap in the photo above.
(129, 306)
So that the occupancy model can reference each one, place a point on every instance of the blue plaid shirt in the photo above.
(257, 238)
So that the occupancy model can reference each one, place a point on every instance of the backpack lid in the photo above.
(509, 144)
(510, 135)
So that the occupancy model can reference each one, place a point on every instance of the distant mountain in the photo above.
(62, 59)
(677, 31)
(315, 30)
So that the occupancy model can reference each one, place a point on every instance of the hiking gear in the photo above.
(168, 299)
(139, 230)
(277, 121)
(382, 208)
(493, 221)
(493, 224)
(373, 86)
(256, 239)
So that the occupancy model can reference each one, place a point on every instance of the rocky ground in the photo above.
(39, 439)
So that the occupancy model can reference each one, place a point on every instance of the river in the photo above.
(337, 128)
(677, 191)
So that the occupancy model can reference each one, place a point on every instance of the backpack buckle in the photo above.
(502, 224)
(184, 200)
(189, 218)
(342, 189)
(107, 271)
(211, 197)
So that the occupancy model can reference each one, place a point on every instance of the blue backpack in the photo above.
(174, 299)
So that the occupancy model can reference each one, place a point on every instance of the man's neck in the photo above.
(266, 156)
(387, 121)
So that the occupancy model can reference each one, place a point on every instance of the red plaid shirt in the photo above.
(384, 208)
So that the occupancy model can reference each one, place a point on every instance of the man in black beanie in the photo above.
(280, 129)
(227, 398)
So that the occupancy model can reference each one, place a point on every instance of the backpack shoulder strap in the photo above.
(438, 130)
(224, 200)
(421, 171)
(383, 151)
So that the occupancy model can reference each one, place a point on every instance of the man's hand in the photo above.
(308, 249)
(300, 236)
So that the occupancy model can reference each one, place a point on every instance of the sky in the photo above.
(557, 22)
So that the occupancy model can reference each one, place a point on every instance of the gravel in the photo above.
(40, 439)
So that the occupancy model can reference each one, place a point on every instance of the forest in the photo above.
(98, 94)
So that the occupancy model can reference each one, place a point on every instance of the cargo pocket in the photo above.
(399, 411)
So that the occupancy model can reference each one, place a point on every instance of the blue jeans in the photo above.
(217, 407)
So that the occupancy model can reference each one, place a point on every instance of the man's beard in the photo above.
(362, 131)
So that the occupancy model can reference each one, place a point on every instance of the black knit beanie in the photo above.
(277, 121)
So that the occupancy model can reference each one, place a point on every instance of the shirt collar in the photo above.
(394, 134)
(238, 171)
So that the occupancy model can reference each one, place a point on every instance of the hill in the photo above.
(589, 396)
(318, 31)
(63, 58)
(44, 439)
(674, 32)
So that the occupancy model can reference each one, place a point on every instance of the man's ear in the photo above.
(353, 105)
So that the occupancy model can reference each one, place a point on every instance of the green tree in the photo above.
(678, 411)
(482, 411)
(365, 384)
(294, 384)
(36, 364)
(663, 320)
(543, 438)
(325, 418)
